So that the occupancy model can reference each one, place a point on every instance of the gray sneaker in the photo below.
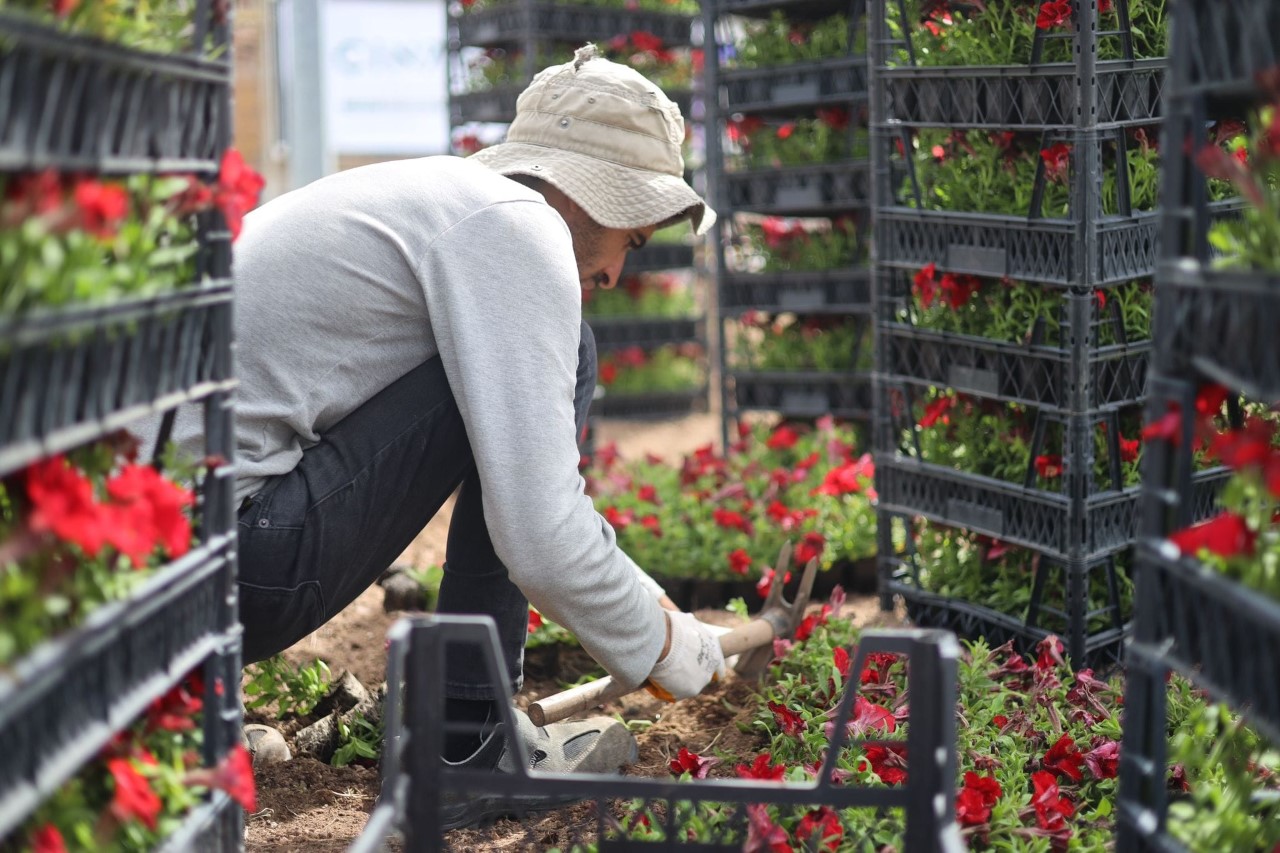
(595, 745)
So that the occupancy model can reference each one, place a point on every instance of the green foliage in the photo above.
(642, 295)
(358, 739)
(158, 26)
(793, 343)
(665, 369)
(295, 690)
(781, 41)
(1250, 241)
(774, 244)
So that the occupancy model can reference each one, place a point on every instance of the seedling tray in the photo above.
(61, 703)
(80, 104)
(68, 376)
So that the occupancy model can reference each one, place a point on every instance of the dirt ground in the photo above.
(305, 805)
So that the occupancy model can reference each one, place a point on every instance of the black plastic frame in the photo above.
(414, 777)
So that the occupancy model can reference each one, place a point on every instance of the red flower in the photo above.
(1063, 757)
(1167, 427)
(647, 492)
(1054, 13)
(834, 117)
(1104, 6)
(234, 774)
(62, 8)
(810, 548)
(1049, 467)
(63, 505)
(785, 130)
(238, 189)
(763, 835)
(1049, 654)
(1000, 721)
(535, 620)
(840, 657)
(730, 520)
(102, 207)
(1057, 158)
(765, 584)
(889, 763)
(957, 290)
(783, 438)
(608, 371)
(1226, 535)
(924, 285)
(695, 765)
(197, 198)
(1103, 760)
(175, 711)
(1052, 809)
(805, 629)
(976, 797)
(739, 561)
(937, 411)
(652, 524)
(1129, 448)
(642, 40)
(148, 510)
(133, 798)
(1209, 399)
(47, 839)
(847, 479)
(825, 825)
(761, 768)
(789, 720)
(618, 519)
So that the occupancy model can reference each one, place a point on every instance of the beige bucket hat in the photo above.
(607, 138)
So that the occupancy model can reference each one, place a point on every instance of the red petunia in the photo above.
(618, 519)
(234, 774)
(834, 117)
(1052, 809)
(820, 829)
(731, 520)
(1057, 161)
(847, 479)
(976, 797)
(1063, 757)
(840, 657)
(238, 190)
(889, 763)
(765, 585)
(786, 130)
(175, 711)
(642, 40)
(692, 763)
(937, 411)
(1103, 760)
(783, 438)
(150, 512)
(790, 721)
(652, 524)
(535, 620)
(133, 798)
(810, 548)
(739, 561)
(763, 835)
(1049, 466)
(1226, 535)
(1129, 449)
(761, 768)
(648, 493)
(1054, 13)
(63, 504)
(608, 371)
(62, 8)
(101, 207)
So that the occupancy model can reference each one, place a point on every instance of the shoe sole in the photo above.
(483, 811)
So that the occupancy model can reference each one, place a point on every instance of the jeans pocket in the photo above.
(275, 618)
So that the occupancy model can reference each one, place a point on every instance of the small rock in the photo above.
(318, 740)
(266, 745)
(344, 694)
(402, 592)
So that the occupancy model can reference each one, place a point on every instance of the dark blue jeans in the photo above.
(314, 539)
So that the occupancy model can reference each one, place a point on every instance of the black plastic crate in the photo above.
(817, 190)
(618, 332)
(839, 291)
(60, 704)
(1222, 325)
(971, 621)
(70, 375)
(784, 89)
(1072, 374)
(513, 24)
(650, 404)
(415, 779)
(1044, 97)
(1218, 633)
(1046, 521)
(1226, 43)
(658, 256)
(794, 9)
(803, 394)
(1044, 251)
(72, 103)
(216, 826)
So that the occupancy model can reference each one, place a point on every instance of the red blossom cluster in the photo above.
(143, 511)
(951, 290)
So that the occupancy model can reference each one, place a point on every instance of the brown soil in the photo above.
(310, 807)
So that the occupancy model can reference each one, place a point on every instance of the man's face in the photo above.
(599, 251)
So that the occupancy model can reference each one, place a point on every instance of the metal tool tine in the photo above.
(774, 598)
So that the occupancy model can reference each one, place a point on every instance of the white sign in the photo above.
(385, 88)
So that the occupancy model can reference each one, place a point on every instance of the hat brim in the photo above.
(613, 195)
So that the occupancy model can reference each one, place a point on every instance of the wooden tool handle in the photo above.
(559, 706)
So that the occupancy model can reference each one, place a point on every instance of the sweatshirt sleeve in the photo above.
(505, 307)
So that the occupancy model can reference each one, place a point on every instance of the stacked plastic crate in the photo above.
(114, 281)
(1015, 174)
(789, 141)
(651, 330)
(1209, 594)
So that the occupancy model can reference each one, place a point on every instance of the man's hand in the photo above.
(690, 662)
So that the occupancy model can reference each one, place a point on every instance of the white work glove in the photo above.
(693, 661)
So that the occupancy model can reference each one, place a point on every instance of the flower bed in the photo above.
(727, 517)
(144, 784)
(642, 295)
(634, 370)
(778, 41)
(788, 342)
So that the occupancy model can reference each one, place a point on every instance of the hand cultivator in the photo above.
(753, 643)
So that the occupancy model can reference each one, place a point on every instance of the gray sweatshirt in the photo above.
(345, 285)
